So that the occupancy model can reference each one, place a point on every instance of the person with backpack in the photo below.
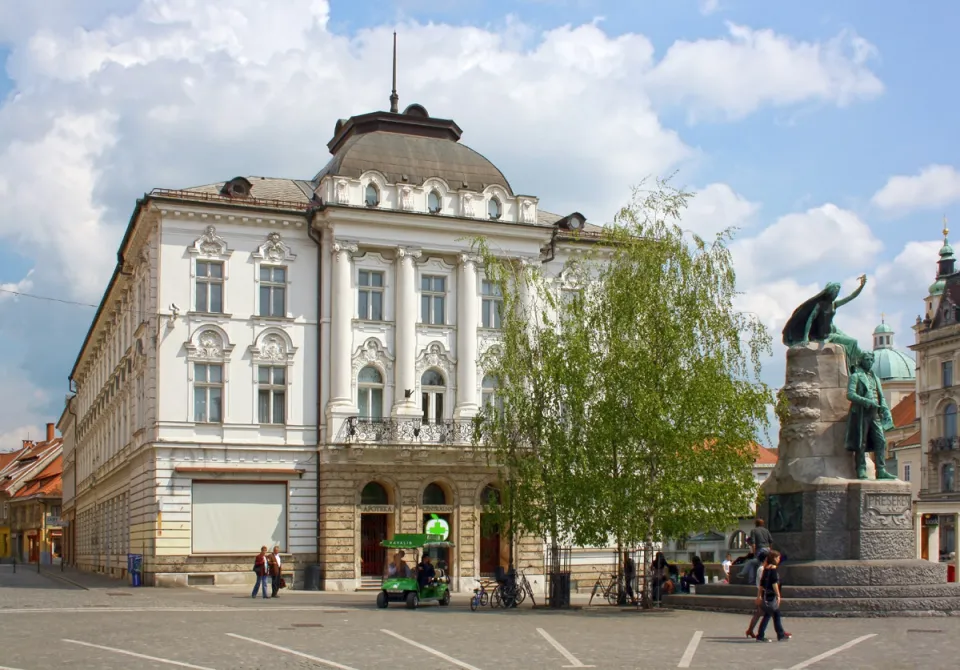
(261, 572)
(768, 597)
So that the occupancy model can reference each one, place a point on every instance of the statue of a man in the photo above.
(869, 417)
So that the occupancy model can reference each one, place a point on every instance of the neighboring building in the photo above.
(903, 443)
(712, 546)
(16, 539)
(295, 362)
(35, 514)
(937, 347)
(896, 369)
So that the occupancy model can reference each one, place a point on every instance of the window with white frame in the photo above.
(432, 387)
(271, 394)
(946, 478)
(906, 472)
(370, 295)
(273, 290)
(371, 195)
(494, 209)
(434, 203)
(207, 393)
(488, 396)
(370, 393)
(946, 373)
(492, 304)
(210, 287)
(433, 299)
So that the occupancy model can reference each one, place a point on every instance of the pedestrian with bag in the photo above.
(769, 597)
(260, 569)
(276, 574)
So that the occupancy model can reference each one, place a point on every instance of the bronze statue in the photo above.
(869, 417)
(813, 321)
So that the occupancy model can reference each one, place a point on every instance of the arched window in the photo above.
(432, 387)
(374, 494)
(372, 195)
(489, 397)
(946, 478)
(370, 393)
(434, 203)
(490, 495)
(950, 420)
(434, 495)
(738, 540)
(494, 209)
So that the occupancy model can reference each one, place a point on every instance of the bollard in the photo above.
(14, 566)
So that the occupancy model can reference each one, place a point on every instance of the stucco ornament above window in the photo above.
(210, 245)
(273, 348)
(436, 356)
(208, 345)
(372, 352)
(274, 250)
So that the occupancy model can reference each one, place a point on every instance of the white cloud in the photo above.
(736, 76)
(828, 237)
(21, 409)
(935, 186)
(717, 207)
(9, 290)
(708, 7)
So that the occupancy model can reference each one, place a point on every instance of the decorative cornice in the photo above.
(274, 250)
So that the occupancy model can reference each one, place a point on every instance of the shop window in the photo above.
(434, 495)
(374, 494)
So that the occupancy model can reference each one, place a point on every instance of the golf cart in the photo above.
(406, 588)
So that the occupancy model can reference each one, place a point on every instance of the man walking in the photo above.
(629, 575)
(276, 574)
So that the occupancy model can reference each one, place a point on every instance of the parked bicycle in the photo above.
(524, 589)
(610, 586)
(481, 598)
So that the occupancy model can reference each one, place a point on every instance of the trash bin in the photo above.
(560, 590)
(312, 578)
(135, 568)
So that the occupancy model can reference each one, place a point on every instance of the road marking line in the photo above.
(323, 661)
(133, 653)
(835, 650)
(3, 667)
(429, 650)
(574, 662)
(207, 610)
(687, 657)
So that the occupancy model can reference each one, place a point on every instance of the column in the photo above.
(933, 543)
(467, 310)
(405, 335)
(341, 326)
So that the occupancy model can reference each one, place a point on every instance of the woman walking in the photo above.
(261, 572)
(768, 596)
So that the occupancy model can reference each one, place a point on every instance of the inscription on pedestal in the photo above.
(886, 510)
(786, 513)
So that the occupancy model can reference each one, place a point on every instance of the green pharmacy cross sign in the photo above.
(437, 526)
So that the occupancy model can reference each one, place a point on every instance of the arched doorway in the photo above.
(490, 549)
(374, 515)
(438, 520)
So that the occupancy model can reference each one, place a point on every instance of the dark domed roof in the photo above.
(409, 147)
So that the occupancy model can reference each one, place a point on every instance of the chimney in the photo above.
(27, 444)
(50, 432)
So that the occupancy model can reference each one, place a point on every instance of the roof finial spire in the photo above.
(946, 231)
(883, 318)
(394, 98)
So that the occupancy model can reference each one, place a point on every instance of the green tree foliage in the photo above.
(628, 409)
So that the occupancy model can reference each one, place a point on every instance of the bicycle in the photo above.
(610, 588)
(524, 589)
(480, 596)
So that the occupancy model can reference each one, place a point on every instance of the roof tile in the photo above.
(905, 411)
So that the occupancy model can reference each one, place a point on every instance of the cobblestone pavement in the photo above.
(92, 622)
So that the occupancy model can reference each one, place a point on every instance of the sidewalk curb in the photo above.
(52, 575)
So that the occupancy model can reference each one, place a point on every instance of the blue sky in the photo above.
(825, 130)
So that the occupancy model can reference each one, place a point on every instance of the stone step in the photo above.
(864, 573)
(791, 592)
(369, 584)
(824, 607)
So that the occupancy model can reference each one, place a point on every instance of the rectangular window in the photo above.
(370, 295)
(272, 394)
(946, 370)
(906, 472)
(432, 402)
(433, 298)
(209, 287)
(207, 393)
(225, 516)
(273, 291)
(492, 304)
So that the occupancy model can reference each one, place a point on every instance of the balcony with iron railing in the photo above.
(402, 432)
(943, 432)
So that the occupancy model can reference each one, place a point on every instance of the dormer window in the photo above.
(494, 209)
(238, 187)
(372, 195)
(433, 202)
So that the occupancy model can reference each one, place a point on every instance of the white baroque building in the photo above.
(295, 362)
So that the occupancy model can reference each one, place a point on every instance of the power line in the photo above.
(48, 298)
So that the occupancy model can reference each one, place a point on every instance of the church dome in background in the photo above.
(890, 364)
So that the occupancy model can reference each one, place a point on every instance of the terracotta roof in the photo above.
(766, 456)
(910, 440)
(26, 459)
(7, 457)
(905, 411)
(49, 483)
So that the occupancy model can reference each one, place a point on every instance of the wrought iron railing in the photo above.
(356, 429)
(945, 443)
